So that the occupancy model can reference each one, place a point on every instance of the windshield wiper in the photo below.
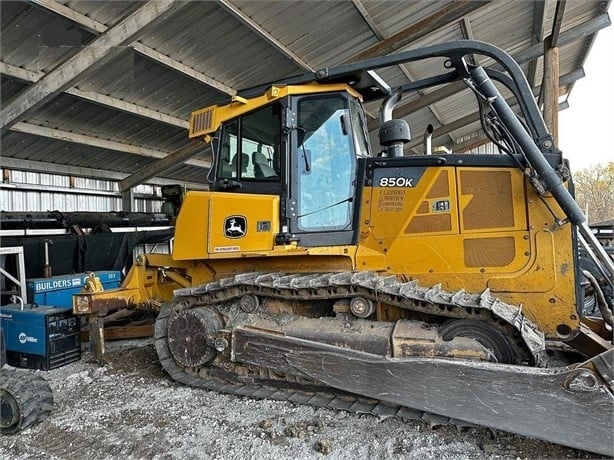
(349, 199)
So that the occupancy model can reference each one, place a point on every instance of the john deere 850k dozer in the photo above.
(322, 271)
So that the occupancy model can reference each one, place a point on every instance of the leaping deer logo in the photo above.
(235, 226)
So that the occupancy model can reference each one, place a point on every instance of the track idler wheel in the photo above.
(488, 336)
(191, 336)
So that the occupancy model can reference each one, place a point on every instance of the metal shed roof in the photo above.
(98, 87)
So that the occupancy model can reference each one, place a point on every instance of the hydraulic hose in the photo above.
(546, 174)
(600, 298)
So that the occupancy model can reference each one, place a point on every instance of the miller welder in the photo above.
(39, 336)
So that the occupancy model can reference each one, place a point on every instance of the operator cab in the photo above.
(303, 148)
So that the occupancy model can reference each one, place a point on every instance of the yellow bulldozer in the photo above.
(321, 270)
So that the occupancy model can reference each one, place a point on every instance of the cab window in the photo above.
(250, 148)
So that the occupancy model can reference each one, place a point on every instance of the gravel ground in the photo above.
(131, 409)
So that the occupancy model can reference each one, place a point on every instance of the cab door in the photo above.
(323, 188)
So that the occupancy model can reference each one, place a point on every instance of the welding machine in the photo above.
(40, 337)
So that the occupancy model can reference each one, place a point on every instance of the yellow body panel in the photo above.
(474, 228)
(203, 251)
(191, 227)
(408, 210)
(260, 213)
(447, 226)
(214, 224)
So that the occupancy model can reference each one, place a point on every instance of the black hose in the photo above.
(601, 302)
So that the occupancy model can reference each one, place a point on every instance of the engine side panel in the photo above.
(214, 224)
(471, 227)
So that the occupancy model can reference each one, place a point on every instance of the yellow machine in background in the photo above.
(320, 271)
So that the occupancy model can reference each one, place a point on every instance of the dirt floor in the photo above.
(130, 409)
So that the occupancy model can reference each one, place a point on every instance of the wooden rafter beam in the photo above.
(465, 25)
(367, 18)
(557, 24)
(180, 156)
(86, 23)
(64, 76)
(537, 35)
(235, 11)
(97, 98)
(446, 15)
(75, 138)
(99, 28)
(183, 69)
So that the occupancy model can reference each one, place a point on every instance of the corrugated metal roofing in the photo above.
(320, 33)
(393, 17)
(205, 51)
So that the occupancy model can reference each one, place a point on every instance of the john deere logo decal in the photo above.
(235, 227)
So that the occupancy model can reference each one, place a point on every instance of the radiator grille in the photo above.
(202, 122)
(492, 202)
(489, 252)
(430, 223)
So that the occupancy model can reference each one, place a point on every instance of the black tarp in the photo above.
(76, 254)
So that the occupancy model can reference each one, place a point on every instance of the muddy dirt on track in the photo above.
(130, 409)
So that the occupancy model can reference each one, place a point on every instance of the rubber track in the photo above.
(32, 393)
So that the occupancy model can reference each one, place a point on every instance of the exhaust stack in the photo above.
(428, 137)
(393, 134)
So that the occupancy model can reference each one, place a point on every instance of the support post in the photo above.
(127, 200)
(551, 88)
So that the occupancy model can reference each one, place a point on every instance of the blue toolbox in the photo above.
(58, 290)
(39, 336)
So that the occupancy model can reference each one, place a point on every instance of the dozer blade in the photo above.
(571, 406)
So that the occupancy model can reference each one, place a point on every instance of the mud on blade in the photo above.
(554, 405)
